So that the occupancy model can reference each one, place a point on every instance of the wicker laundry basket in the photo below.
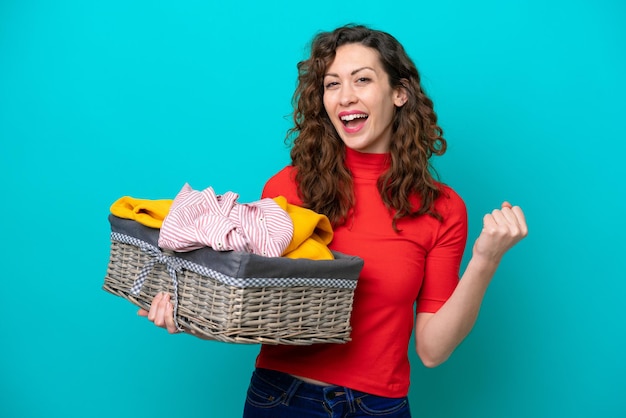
(234, 296)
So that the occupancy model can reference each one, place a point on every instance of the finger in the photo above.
(162, 312)
(142, 312)
(170, 324)
(489, 222)
(499, 218)
(510, 216)
(506, 204)
(154, 307)
(521, 219)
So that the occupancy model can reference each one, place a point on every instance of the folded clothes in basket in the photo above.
(236, 296)
(195, 219)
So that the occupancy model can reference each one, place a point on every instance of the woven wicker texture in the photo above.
(300, 315)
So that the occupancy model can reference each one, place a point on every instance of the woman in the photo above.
(364, 132)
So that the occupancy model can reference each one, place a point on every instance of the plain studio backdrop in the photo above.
(100, 100)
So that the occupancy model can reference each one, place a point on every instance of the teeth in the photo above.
(348, 118)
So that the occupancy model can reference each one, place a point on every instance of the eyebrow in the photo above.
(352, 73)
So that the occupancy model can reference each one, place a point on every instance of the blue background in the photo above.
(136, 97)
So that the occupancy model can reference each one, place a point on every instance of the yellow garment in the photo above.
(147, 212)
(312, 233)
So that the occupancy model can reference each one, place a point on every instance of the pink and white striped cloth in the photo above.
(199, 219)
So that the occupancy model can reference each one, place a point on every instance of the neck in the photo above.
(367, 165)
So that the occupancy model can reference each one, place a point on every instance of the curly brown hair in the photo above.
(317, 153)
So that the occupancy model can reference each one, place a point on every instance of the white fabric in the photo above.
(203, 219)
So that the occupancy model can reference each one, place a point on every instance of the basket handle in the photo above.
(173, 266)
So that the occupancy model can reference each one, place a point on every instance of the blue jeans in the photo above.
(275, 394)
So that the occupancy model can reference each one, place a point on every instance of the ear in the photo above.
(400, 96)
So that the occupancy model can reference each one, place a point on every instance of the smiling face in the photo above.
(359, 99)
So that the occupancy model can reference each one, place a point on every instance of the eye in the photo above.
(330, 85)
(363, 80)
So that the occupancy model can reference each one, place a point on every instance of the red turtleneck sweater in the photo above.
(416, 268)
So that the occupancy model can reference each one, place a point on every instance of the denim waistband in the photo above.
(285, 381)
(293, 386)
(331, 400)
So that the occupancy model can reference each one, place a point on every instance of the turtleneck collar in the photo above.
(366, 165)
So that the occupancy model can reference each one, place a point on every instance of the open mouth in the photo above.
(353, 120)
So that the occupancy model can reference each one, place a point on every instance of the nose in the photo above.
(347, 96)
